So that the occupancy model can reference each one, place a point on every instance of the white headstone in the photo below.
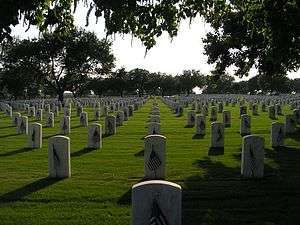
(65, 125)
(9, 111)
(22, 127)
(31, 111)
(97, 114)
(110, 125)
(155, 111)
(227, 118)
(155, 118)
(243, 110)
(131, 109)
(105, 111)
(200, 125)
(277, 134)
(126, 113)
(39, 115)
(155, 157)
(179, 110)
(156, 202)
(245, 125)
(84, 119)
(252, 165)
(272, 112)
(15, 119)
(153, 128)
(50, 120)
(56, 110)
(35, 135)
(47, 108)
(191, 117)
(95, 136)
(213, 114)
(119, 118)
(254, 110)
(217, 135)
(59, 157)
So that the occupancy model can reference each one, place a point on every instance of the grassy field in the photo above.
(100, 187)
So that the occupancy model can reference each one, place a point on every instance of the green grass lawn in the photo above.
(100, 187)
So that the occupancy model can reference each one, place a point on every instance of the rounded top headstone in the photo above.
(60, 136)
(155, 135)
(156, 182)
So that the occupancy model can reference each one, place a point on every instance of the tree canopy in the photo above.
(246, 33)
(59, 63)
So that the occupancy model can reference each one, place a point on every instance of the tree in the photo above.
(20, 73)
(99, 85)
(278, 83)
(119, 81)
(255, 33)
(63, 62)
(138, 78)
(295, 85)
(189, 79)
(153, 83)
(261, 33)
(70, 60)
(169, 85)
(220, 84)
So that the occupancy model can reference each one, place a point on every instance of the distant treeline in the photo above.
(141, 82)
(82, 64)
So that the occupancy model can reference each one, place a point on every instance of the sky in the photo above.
(183, 52)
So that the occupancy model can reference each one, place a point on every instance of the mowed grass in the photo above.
(99, 190)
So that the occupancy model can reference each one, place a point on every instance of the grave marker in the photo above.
(155, 157)
(59, 157)
(252, 165)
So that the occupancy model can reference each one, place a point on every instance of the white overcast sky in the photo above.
(184, 52)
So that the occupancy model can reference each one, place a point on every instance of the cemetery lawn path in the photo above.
(99, 190)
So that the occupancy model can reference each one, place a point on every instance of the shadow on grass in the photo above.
(139, 154)
(78, 126)
(288, 160)
(10, 135)
(216, 169)
(28, 189)
(216, 151)
(107, 135)
(295, 136)
(125, 199)
(82, 152)
(7, 127)
(220, 196)
(15, 152)
(198, 136)
(189, 126)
